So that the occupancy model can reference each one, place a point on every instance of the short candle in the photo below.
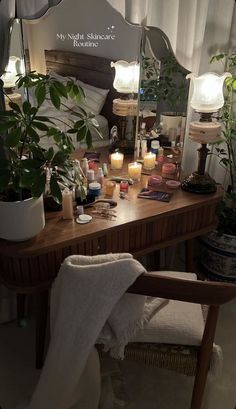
(117, 160)
(149, 161)
(134, 170)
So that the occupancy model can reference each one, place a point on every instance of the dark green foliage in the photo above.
(27, 163)
(226, 210)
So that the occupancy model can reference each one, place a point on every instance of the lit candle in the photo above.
(134, 170)
(117, 160)
(67, 204)
(149, 161)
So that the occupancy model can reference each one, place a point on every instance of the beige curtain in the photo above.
(195, 28)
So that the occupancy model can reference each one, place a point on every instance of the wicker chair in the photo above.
(197, 361)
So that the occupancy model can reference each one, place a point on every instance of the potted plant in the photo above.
(28, 169)
(218, 255)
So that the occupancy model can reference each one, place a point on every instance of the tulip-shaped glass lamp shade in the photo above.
(13, 68)
(126, 76)
(208, 91)
(208, 97)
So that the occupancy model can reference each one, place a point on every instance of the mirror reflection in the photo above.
(163, 98)
(83, 45)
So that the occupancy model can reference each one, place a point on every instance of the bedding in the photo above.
(94, 97)
(61, 118)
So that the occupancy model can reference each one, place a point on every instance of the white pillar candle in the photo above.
(67, 204)
(134, 170)
(149, 161)
(117, 160)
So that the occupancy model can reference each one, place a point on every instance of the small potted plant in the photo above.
(28, 169)
(218, 255)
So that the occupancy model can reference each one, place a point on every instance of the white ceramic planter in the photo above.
(21, 220)
(218, 255)
(171, 124)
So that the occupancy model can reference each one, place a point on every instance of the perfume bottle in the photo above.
(100, 176)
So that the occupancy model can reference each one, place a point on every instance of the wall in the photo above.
(82, 17)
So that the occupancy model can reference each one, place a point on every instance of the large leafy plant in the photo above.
(28, 168)
(226, 210)
(165, 83)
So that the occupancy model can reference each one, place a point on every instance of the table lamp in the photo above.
(9, 79)
(207, 98)
(126, 82)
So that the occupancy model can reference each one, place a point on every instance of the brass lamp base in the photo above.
(201, 184)
(126, 146)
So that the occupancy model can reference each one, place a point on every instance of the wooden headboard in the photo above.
(88, 68)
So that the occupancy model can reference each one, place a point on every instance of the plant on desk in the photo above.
(219, 250)
(29, 169)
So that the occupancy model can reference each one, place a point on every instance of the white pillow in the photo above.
(95, 98)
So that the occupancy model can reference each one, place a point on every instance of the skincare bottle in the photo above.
(143, 148)
(100, 176)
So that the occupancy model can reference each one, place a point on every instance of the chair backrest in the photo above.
(213, 294)
(195, 291)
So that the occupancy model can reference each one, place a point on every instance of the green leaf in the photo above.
(26, 107)
(13, 138)
(59, 159)
(60, 88)
(53, 131)
(54, 97)
(38, 153)
(43, 119)
(40, 93)
(39, 125)
(38, 187)
(71, 131)
(89, 139)
(5, 126)
(15, 107)
(5, 177)
(82, 132)
(79, 124)
(48, 155)
(32, 134)
(33, 111)
(55, 190)
(31, 164)
(28, 178)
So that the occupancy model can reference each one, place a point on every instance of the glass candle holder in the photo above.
(134, 171)
(117, 159)
(149, 161)
(109, 188)
(124, 186)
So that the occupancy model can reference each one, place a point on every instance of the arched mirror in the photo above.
(163, 97)
(80, 39)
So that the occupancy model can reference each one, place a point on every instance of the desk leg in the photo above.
(41, 325)
(21, 298)
(190, 250)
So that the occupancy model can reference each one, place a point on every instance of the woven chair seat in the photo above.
(180, 358)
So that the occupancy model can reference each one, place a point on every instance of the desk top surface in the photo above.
(58, 232)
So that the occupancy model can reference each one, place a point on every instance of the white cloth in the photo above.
(83, 298)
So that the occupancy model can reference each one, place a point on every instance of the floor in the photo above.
(144, 388)
(163, 390)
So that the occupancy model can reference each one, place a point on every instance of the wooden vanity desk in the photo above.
(141, 226)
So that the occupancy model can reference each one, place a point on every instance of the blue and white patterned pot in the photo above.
(218, 256)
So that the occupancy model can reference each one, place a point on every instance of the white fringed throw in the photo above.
(87, 294)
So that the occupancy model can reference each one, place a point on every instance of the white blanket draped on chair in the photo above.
(88, 293)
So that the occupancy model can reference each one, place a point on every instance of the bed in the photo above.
(94, 73)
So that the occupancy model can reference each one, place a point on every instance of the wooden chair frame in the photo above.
(213, 294)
